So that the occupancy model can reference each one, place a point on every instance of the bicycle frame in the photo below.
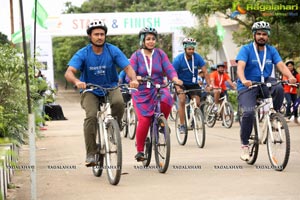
(191, 109)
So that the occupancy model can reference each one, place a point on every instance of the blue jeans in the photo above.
(290, 98)
(247, 101)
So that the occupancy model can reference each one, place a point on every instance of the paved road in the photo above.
(215, 172)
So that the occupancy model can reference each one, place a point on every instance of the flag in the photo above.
(17, 36)
(220, 31)
(41, 15)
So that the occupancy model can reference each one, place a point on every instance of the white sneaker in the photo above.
(245, 153)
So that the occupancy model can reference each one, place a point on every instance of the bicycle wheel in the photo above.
(278, 142)
(199, 128)
(132, 123)
(124, 132)
(228, 115)
(98, 168)
(253, 144)
(181, 137)
(173, 112)
(210, 118)
(147, 151)
(113, 154)
(162, 145)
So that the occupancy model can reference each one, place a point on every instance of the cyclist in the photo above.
(218, 79)
(96, 62)
(255, 63)
(186, 64)
(153, 62)
(290, 92)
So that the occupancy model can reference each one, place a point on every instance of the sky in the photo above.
(53, 7)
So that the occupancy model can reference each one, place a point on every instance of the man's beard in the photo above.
(261, 44)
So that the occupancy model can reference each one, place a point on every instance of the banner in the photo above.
(17, 36)
(41, 15)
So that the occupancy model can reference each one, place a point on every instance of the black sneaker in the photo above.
(140, 156)
(90, 161)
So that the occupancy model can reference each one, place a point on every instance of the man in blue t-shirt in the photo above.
(187, 64)
(96, 63)
(255, 63)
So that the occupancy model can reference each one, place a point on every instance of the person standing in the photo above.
(96, 64)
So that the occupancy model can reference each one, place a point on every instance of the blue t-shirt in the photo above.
(99, 69)
(252, 70)
(122, 77)
(183, 71)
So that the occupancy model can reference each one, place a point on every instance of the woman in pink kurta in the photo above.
(153, 62)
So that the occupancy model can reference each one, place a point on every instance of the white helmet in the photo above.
(261, 26)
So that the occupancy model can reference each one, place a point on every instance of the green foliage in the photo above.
(3, 39)
(232, 94)
(285, 29)
(13, 98)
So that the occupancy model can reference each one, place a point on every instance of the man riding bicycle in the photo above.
(218, 79)
(255, 63)
(186, 64)
(96, 62)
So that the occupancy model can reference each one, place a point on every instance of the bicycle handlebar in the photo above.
(91, 87)
(156, 85)
(127, 89)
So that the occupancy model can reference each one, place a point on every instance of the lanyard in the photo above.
(220, 81)
(149, 68)
(261, 65)
(193, 66)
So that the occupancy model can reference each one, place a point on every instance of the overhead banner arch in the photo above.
(126, 23)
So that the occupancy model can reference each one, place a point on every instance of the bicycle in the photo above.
(194, 120)
(158, 137)
(224, 113)
(273, 131)
(129, 120)
(108, 139)
(294, 106)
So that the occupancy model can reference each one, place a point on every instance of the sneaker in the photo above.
(182, 129)
(90, 161)
(140, 156)
(245, 153)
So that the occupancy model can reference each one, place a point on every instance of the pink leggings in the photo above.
(144, 123)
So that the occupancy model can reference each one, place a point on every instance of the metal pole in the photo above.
(31, 121)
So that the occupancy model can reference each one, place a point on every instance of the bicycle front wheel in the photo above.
(210, 117)
(132, 123)
(278, 142)
(162, 145)
(253, 143)
(228, 115)
(199, 128)
(173, 112)
(113, 154)
(181, 137)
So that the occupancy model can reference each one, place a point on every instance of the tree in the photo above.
(3, 39)
(285, 24)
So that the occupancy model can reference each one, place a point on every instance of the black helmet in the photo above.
(96, 24)
(146, 30)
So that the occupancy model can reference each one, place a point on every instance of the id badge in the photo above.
(262, 79)
(194, 79)
(148, 84)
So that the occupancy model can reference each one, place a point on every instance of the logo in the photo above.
(265, 9)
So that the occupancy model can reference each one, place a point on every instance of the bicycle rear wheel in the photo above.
(148, 150)
(132, 123)
(253, 143)
(173, 112)
(162, 145)
(181, 137)
(210, 115)
(278, 142)
(199, 128)
(113, 154)
(228, 115)
(98, 168)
